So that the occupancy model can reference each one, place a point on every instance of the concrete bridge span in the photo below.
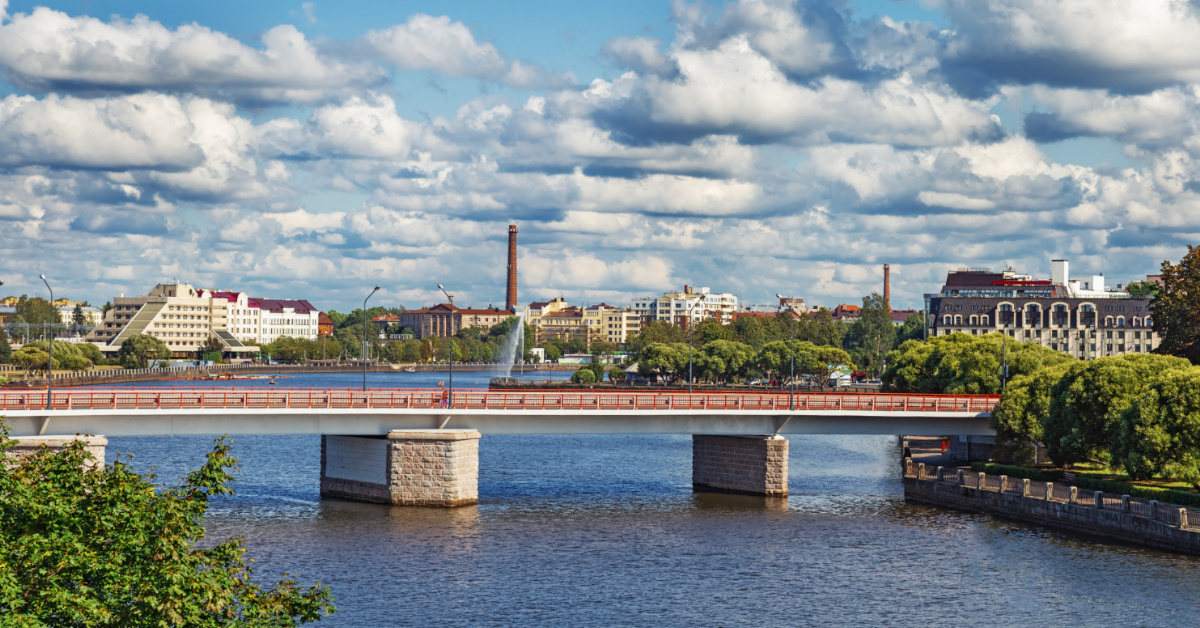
(420, 447)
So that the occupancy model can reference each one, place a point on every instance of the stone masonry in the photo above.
(26, 445)
(405, 468)
(752, 465)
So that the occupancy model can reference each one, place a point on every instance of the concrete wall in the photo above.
(406, 468)
(1121, 526)
(754, 465)
(26, 445)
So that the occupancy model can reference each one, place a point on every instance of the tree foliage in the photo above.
(83, 544)
(1142, 289)
(722, 361)
(1176, 307)
(36, 311)
(963, 363)
(1084, 421)
(1160, 430)
(5, 348)
(141, 350)
(872, 335)
(583, 375)
(1026, 404)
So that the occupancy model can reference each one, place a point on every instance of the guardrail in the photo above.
(276, 398)
(1171, 514)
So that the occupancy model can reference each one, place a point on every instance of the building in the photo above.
(254, 319)
(324, 324)
(91, 315)
(178, 314)
(690, 306)
(445, 319)
(619, 325)
(1077, 314)
(556, 319)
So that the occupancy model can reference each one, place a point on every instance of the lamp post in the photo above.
(689, 324)
(366, 322)
(792, 353)
(451, 336)
(50, 366)
(1004, 358)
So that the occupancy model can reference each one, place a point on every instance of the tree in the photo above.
(104, 310)
(36, 311)
(1084, 421)
(872, 335)
(30, 358)
(552, 352)
(1176, 307)
(140, 350)
(660, 332)
(963, 363)
(87, 544)
(5, 348)
(616, 374)
(1160, 430)
(724, 360)
(583, 375)
(711, 329)
(1142, 289)
(912, 329)
(1024, 406)
(663, 360)
(819, 328)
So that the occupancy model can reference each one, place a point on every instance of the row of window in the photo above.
(984, 319)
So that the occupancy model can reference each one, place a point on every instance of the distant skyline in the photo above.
(311, 151)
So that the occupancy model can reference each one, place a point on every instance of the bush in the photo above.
(1013, 471)
(583, 376)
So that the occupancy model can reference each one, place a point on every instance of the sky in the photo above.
(315, 150)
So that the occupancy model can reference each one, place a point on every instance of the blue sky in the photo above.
(305, 150)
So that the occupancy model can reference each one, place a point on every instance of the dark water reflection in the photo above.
(605, 530)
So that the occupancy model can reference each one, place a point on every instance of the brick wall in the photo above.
(405, 468)
(756, 465)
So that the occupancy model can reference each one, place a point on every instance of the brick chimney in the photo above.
(887, 285)
(510, 302)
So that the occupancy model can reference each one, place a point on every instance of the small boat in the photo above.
(410, 370)
(272, 382)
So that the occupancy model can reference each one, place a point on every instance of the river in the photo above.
(605, 530)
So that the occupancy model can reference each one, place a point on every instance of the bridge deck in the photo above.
(150, 411)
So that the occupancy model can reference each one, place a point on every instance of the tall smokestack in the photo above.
(887, 285)
(510, 302)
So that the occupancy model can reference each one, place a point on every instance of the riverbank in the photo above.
(1095, 513)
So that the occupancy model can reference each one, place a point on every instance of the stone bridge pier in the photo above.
(750, 465)
(403, 468)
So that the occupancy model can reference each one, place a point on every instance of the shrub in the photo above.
(1013, 471)
(583, 376)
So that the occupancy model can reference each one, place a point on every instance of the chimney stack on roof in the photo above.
(510, 302)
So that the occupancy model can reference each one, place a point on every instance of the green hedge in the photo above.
(1013, 471)
(1084, 482)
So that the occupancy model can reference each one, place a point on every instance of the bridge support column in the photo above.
(752, 465)
(404, 468)
(26, 445)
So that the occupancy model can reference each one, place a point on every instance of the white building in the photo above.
(179, 315)
(692, 305)
(264, 320)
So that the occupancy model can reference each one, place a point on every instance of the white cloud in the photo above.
(426, 42)
(52, 51)
(640, 54)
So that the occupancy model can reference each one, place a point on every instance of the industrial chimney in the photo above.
(887, 285)
(510, 302)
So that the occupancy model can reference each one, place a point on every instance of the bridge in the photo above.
(420, 447)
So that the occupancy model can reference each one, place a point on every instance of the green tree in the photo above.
(710, 329)
(1084, 421)
(912, 329)
(616, 374)
(1160, 430)
(1142, 289)
(872, 335)
(140, 351)
(657, 332)
(664, 360)
(819, 328)
(552, 352)
(963, 363)
(104, 310)
(5, 348)
(36, 311)
(1176, 307)
(1024, 406)
(724, 360)
(583, 375)
(30, 358)
(83, 544)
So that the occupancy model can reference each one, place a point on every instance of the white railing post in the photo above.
(1074, 496)
(1003, 483)
(921, 471)
(1025, 487)
(979, 480)
(1183, 522)
(1049, 491)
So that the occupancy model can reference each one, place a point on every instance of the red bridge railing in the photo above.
(604, 401)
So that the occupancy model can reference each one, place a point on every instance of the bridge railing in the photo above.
(605, 401)
(1171, 514)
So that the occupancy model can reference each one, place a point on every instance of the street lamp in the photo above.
(451, 336)
(689, 324)
(792, 353)
(366, 322)
(50, 366)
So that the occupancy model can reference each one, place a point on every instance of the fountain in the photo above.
(514, 347)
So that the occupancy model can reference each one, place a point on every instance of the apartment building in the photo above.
(690, 306)
(176, 313)
(253, 319)
(1078, 315)
(444, 320)
(594, 323)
